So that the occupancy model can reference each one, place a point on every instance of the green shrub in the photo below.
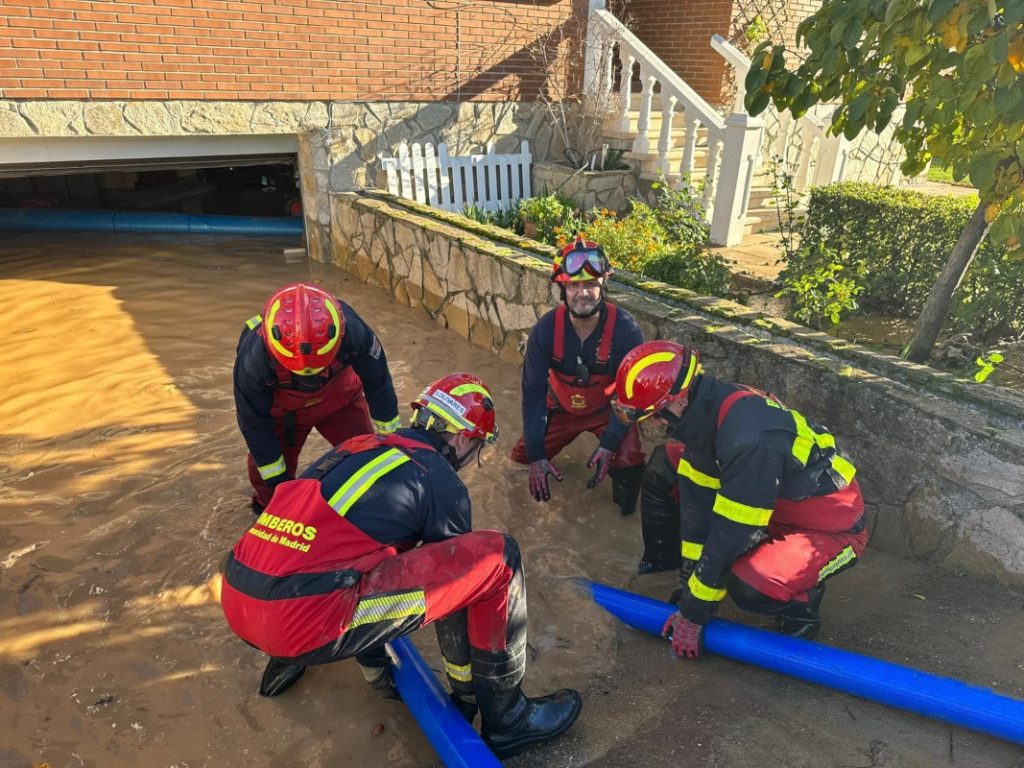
(894, 243)
(506, 217)
(548, 213)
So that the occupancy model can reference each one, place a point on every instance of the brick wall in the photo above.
(414, 50)
(678, 31)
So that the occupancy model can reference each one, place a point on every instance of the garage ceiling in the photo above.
(60, 156)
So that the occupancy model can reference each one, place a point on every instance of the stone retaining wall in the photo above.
(941, 460)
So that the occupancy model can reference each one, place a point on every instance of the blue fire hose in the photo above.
(454, 739)
(882, 681)
(144, 221)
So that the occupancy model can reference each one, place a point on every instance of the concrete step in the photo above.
(765, 219)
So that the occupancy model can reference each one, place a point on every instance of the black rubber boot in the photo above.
(511, 721)
(255, 506)
(279, 677)
(382, 681)
(626, 487)
(802, 620)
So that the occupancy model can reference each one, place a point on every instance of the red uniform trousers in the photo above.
(338, 411)
(564, 427)
(471, 586)
(807, 542)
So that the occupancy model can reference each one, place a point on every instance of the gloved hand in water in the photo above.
(684, 634)
(539, 471)
(601, 459)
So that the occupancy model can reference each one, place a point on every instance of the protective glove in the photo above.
(539, 471)
(602, 460)
(387, 427)
(684, 634)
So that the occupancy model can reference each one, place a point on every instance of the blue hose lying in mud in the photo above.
(881, 681)
(454, 739)
(143, 221)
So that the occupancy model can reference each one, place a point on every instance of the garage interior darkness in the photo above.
(255, 185)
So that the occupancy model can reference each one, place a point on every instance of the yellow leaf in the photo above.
(991, 212)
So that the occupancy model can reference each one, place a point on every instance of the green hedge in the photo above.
(895, 242)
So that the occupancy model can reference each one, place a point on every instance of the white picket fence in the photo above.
(489, 181)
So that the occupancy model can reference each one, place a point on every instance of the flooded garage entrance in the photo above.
(123, 486)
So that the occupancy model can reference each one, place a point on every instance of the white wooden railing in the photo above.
(489, 181)
(806, 148)
(732, 142)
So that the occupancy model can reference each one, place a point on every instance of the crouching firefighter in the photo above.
(374, 541)
(309, 361)
(571, 358)
(747, 498)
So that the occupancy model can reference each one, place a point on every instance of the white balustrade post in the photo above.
(668, 107)
(593, 56)
(627, 61)
(732, 192)
(832, 155)
(642, 144)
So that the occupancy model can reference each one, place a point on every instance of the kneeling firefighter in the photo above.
(748, 498)
(374, 541)
(571, 358)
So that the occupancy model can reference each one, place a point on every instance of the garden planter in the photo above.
(591, 189)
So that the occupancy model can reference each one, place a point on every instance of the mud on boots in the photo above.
(510, 720)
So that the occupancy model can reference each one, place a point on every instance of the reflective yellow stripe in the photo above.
(273, 469)
(388, 607)
(645, 362)
(461, 672)
(686, 469)
(741, 513)
(689, 374)
(692, 550)
(825, 441)
(804, 440)
(254, 322)
(463, 389)
(843, 558)
(360, 482)
(387, 427)
(845, 469)
(702, 591)
(278, 347)
(333, 310)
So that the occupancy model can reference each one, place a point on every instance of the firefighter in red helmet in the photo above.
(571, 358)
(748, 498)
(375, 540)
(308, 361)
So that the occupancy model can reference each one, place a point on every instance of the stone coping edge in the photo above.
(999, 399)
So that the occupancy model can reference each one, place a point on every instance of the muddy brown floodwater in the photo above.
(123, 484)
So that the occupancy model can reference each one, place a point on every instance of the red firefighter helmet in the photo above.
(578, 261)
(303, 327)
(459, 403)
(653, 375)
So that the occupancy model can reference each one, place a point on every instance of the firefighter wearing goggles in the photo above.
(571, 357)
(748, 498)
(307, 361)
(374, 541)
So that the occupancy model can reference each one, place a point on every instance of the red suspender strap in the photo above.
(604, 351)
(730, 401)
(559, 348)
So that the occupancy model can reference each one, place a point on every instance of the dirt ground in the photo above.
(123, 485)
